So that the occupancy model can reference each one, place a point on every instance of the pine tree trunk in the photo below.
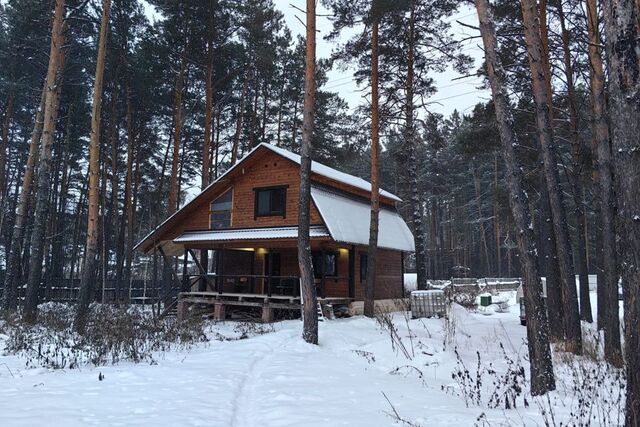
(87, 279)
(555, 306)
(580, 168)
(177, 137)
(309, 298)
(53, 89)
(115, 233)
(129, 206)
(8, 115)
(621, 29)
(573, 342)
(542, 377)
(208, 112)
(608, 308)
(14, 262)
(484, 247)
(410, 143)
(372, 250)
(239, 121)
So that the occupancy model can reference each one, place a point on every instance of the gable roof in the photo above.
(348, 220)
(316, 168)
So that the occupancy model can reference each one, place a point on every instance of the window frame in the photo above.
(211, 211)
(365, 256)
(272, 189)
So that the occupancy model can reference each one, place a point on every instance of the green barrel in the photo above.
(485, 300)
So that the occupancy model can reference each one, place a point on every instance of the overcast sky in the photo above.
(461, 94)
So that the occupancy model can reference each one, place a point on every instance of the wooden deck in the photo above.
(221, 300)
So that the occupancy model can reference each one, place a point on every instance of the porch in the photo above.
(256, 274)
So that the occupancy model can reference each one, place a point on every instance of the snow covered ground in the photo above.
(275, 379)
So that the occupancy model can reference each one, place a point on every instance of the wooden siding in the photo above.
(267, 171)
(388, 275)
(388, 280)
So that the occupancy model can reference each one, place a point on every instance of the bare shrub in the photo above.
(466, 296)
(502, 388)
(252, 329)
(386, 323)
(597, 391)
(449, 327)
(112, 335)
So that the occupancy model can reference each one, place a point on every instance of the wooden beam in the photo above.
(352, 272)
(185, 277)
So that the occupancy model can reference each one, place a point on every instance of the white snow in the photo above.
(278, 380)
(248, 234)
(348, 221)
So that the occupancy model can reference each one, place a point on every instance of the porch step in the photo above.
(320, 314)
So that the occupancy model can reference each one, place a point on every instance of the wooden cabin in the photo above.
(241, 233)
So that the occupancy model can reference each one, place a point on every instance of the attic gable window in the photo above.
(221, 211)
(271, 201)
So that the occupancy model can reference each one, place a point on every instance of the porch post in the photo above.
(220, 283)
(185, 278)
(269, 266)
(204, 262)
(253, 273)
(401, 274)
(155, 278)
(323, 256)
(352, 270)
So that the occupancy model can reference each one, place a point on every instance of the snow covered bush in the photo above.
(112, 335)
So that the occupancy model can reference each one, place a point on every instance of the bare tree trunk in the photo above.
(416, 201)
(608, 309)
(372, 250)
(542, 377)
(10, 296)
(53, 89)
(573, 342)
(309, 298)
(622, 33)
(88, 269)
(580, 168)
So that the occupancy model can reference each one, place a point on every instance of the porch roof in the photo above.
(250, 234)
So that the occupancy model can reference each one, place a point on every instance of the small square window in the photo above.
(271, 201)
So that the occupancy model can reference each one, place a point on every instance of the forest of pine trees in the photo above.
(111, 120)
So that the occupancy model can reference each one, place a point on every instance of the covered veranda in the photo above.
(255, 268)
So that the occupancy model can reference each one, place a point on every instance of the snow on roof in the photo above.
(348, 221)
(331, 173)
(248, 234)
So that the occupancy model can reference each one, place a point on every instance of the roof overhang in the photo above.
(247, 234)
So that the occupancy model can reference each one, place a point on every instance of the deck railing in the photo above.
(245, 283)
